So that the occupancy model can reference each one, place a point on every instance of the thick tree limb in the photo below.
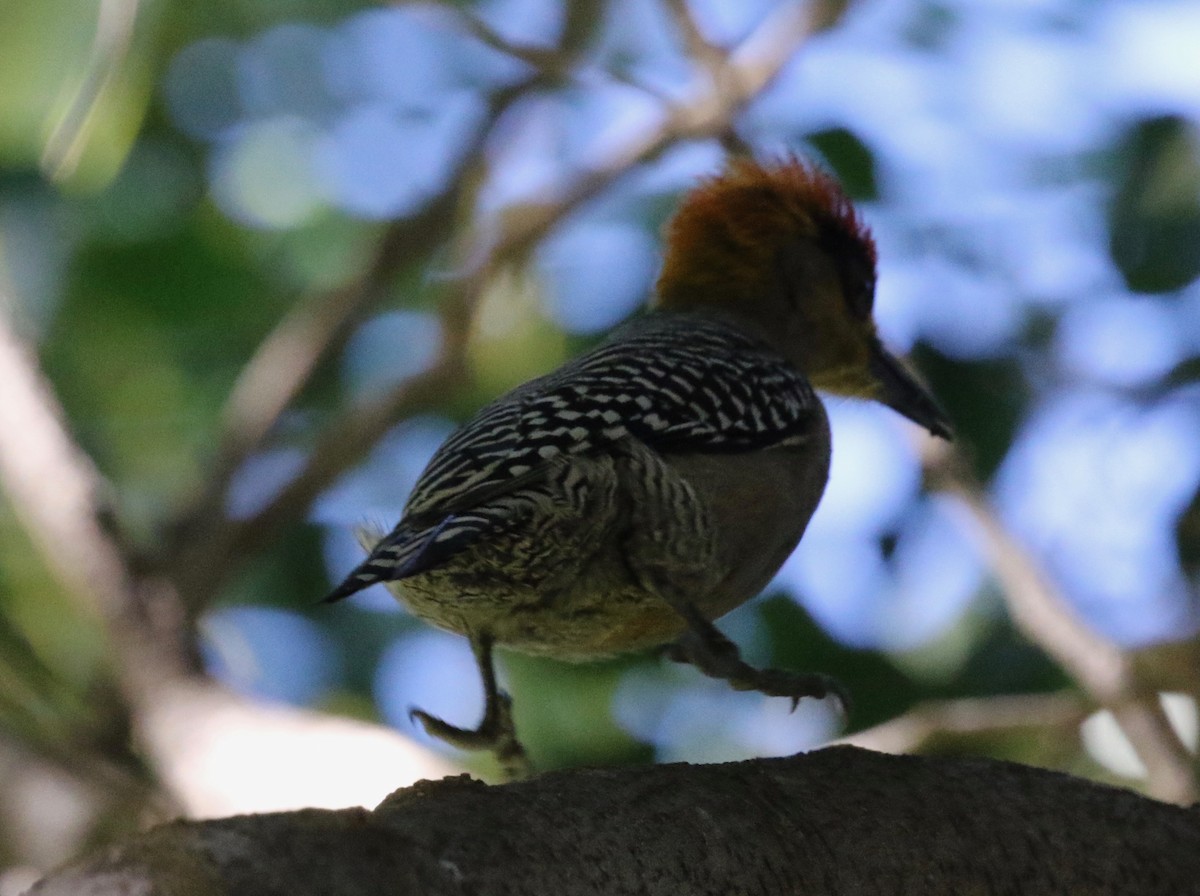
(840, 821)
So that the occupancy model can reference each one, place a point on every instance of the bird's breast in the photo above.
(759, 505)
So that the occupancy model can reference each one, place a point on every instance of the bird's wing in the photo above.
(703, 389)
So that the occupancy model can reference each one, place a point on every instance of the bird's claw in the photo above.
(496, 733)
(705, 647)
(796, 685)
(496, 723)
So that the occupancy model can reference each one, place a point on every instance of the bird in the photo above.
(626, 500)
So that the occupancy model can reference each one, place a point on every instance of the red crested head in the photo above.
(731, 231)
(780, 251)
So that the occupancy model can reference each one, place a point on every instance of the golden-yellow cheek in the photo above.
(840, 345)
(850, 380)
(841, 355)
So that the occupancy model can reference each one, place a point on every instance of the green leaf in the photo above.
(1154, 221)
(986, 401)
(850, 159)
(1187, 536)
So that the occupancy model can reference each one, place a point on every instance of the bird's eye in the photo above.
(860, 294)
(856, 271)
(867, 295)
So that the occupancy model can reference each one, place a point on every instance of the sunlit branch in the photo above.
(115, 21)
(53, 488)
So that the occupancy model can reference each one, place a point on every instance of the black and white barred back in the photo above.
(678, 384)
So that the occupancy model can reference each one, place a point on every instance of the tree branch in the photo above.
(838, 821)
(177, 718)
(286, 359)
(1100, 667)
(56, 493)
(115, 24)
(969, 717)
(704, 52)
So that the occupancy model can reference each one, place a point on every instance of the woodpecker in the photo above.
(642, 490)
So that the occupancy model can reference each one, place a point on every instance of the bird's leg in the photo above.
(670, 551)
(705, 647)
(496, 732)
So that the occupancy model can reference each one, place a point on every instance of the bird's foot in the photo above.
(496, 733)
(705, 647)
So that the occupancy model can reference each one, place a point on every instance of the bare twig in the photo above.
(286, 360)
(1100, 667)
(551, 61)
(704, 52)
(345, 440)
(555, 63)
(199, 545)
(967, 717)
(270, 381)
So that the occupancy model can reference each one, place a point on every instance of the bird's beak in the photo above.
(901, 392)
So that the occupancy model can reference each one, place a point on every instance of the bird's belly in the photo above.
(594, 617)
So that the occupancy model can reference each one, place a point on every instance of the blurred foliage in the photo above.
(986, 397)
(1155, 219)
(850, 159)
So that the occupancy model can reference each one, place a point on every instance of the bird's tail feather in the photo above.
(380, 564)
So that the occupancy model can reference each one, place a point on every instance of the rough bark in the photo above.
(839, 821)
